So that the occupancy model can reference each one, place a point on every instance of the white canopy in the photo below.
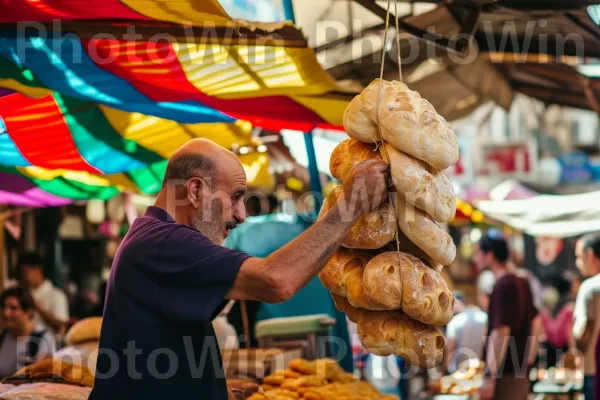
(548, 215)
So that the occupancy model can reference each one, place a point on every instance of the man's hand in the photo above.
(366, 185)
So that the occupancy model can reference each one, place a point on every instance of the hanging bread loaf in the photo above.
(420, 229)
(400, 281)
(389, 281)
(370, 231)
(406, 121)
(406, 246)
(424, 187)
(390, 332)
(349, 154)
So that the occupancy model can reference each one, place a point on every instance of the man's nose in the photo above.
(240, 213)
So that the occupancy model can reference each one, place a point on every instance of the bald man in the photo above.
(171, 276)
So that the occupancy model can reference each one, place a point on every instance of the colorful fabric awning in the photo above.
(179, 11)
(85, 117)
(92, 149)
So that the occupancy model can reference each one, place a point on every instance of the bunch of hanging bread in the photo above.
(393, 289)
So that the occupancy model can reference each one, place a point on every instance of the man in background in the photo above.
(513, 324)
(465, 333)
(586, 315)
(51, 304)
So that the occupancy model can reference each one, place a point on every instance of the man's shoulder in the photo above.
(58, 293)
(145, 229)
(590, 286)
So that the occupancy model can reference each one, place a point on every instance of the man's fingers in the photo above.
(381, 166)
(378, 165)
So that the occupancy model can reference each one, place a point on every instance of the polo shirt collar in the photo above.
(159, 213)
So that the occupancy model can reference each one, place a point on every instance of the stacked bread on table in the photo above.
(321, 379)
(392, 288)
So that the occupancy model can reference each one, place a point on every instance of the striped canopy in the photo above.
(86, 116)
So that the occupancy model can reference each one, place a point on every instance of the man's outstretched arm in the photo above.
(283, 273)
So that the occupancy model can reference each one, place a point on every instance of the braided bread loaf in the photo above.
(389, 281)
(406, 121)
(424, 187)
(392, 332)
(420, 229)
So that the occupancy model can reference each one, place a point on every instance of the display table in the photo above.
(546, 388)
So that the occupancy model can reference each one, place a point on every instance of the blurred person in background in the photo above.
(21, 341)
(586, 314)
(465, 333)
(51, 304)
(513, 324)
(557, 321)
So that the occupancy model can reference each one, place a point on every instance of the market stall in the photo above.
(117, 109)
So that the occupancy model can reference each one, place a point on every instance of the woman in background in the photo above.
(21, 342)
(558, 321)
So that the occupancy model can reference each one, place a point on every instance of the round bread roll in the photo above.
(400, 281)
(86, 330)
(420, 229)
(424, 187)
(349, 154)
(406, 121)
(391, 332)
(370, 231)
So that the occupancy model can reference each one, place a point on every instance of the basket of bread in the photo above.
(392, 289)
(321, 379)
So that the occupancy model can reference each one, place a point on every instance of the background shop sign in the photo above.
(506, 160)
(462, 172)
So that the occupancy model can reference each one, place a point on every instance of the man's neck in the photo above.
(37, 285)
(501, 269)
(24, 330)
(170, 207)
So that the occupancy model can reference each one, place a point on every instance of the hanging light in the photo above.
(95, 211)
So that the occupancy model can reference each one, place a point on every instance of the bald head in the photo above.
(198, 157)
(204, 188)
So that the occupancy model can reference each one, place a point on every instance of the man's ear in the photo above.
(195, 189)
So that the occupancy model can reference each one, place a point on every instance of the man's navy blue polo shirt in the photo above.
(166, 285)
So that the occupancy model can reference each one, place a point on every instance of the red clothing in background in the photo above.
(511, 304)
(557, 329)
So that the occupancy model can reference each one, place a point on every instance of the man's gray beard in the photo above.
(212, 230)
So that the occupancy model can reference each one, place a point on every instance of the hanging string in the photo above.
(381, 142)
(398, 41)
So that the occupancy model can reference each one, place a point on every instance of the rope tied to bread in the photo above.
(379, 95)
